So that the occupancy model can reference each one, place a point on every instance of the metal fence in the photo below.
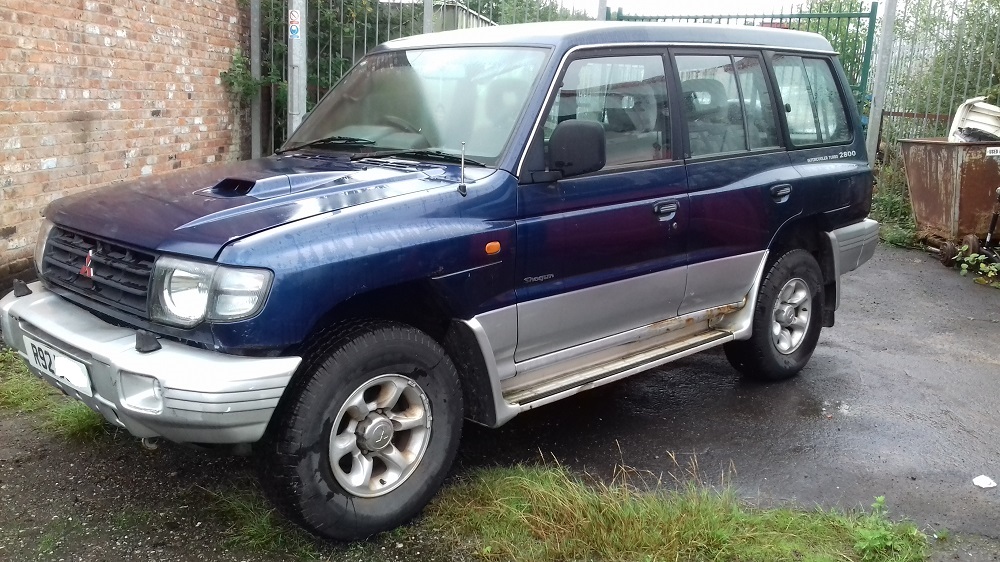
(943, 52)
(339, 32)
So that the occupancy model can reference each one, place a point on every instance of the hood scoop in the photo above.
(260, 188)
(271, 186)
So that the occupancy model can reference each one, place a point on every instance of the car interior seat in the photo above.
(714, 125)
(632, 123)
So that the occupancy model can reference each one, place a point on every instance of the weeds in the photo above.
(254, 525)
(23, 392)
(57, 534)
(75, 421)
(544, 513)
(891, 206)
(985, 271)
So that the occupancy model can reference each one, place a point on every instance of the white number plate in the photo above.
(58, 366)
(993, 151)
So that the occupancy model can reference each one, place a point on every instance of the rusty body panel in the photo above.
(952, 186)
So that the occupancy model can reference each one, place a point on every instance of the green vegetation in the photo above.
(543, 514)
(984, 271)
(547, 514)
(56, 534)
(254, 526)
(849, 36)
(239, 81)
(891, 206)
(23, 392)
(959, 62)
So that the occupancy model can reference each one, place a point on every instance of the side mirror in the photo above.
(577, 147)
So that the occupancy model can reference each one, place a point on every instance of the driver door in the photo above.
(604, 252)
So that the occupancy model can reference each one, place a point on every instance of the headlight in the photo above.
(43, 237)
(187, 292)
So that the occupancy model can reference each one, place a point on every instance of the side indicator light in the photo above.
(493, 248)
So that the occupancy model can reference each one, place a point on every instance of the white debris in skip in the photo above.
(984, 481)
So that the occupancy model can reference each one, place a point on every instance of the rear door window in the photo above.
(814, 108)
(727, 104)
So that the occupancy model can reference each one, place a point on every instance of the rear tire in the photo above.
(787, 321)
(367, 432)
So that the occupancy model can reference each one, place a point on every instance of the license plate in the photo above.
(56, 365)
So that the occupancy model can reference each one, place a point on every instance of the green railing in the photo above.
(852, 33)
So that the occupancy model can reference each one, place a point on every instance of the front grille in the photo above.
(121, 275)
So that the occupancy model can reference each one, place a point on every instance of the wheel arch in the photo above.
(420, 305)
(809, 233)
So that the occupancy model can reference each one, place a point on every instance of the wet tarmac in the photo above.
(901, 399)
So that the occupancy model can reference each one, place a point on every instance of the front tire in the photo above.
(787, 320)
(367, 433)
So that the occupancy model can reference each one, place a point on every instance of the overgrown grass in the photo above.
(891, 205)
(23, 392)
(542, 514)
(254, 525)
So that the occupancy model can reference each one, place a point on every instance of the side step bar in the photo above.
(592, 376)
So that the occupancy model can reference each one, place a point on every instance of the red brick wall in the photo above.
(94, 92)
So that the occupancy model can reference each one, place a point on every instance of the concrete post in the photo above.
(428, 16)
(882, 61)
(296, 63)
(255, 109)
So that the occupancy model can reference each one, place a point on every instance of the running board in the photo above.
(552, 389)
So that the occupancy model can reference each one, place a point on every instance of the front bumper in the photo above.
(207, 397)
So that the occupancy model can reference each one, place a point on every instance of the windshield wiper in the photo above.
(334, 140)
(418, 152)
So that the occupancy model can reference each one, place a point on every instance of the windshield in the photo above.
(426, 99)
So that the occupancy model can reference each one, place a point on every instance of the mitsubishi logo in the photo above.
(382, 437)
(87, 270)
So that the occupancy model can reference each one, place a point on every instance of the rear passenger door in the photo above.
(740, 182)
(824, 141)
(603, 253)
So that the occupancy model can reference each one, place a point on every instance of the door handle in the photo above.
(781, 192)
(665, 210)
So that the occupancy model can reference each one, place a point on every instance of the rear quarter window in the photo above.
(813, 106)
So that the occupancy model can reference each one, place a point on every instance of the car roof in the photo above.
(564, 35)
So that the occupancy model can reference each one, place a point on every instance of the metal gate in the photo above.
(340, 32)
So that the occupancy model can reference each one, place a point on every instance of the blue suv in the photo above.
(469, 225)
